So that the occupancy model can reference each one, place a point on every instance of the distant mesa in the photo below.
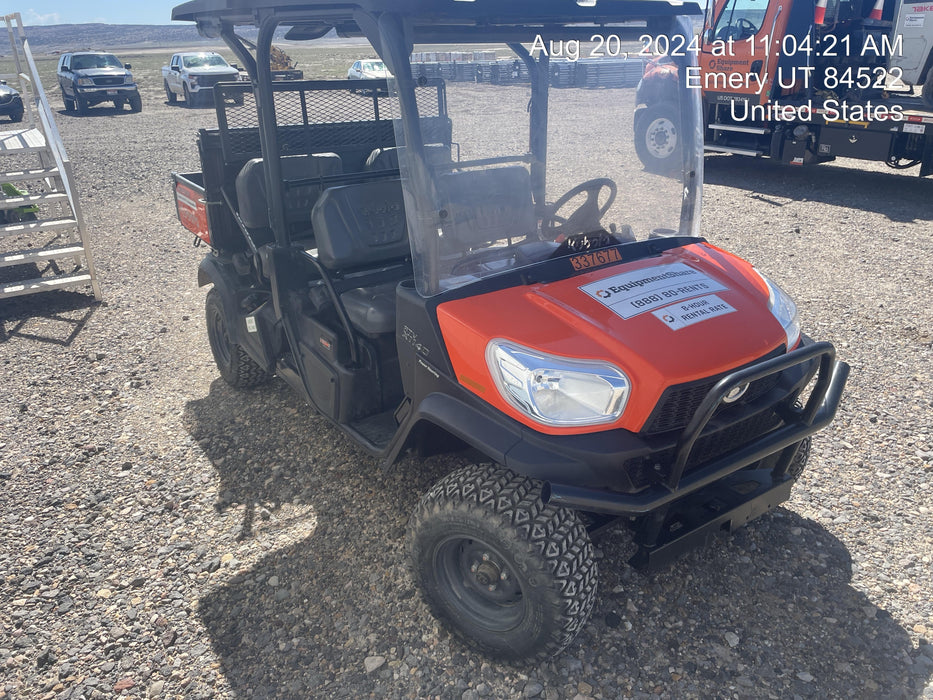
(56, 38)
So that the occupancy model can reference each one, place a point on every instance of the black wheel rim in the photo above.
(478, 584)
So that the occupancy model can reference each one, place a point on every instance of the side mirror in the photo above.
(128, 66)
(176, 69)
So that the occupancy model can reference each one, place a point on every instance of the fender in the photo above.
(212, 271)
(498, 437)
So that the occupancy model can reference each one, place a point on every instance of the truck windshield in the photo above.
(105, 60)
(520, 175)
(203, 60)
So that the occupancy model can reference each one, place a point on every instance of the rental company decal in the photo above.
(632, 293)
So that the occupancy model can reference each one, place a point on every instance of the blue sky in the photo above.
(106, 11)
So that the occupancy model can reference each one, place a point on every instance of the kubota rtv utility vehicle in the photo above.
(438, 264)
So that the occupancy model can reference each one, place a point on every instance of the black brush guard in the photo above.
(687, 509)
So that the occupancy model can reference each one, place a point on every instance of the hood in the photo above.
(7, 92)
(91, 72)
(687, 314)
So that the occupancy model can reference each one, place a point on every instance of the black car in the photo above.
(11, 104)
(88, 78)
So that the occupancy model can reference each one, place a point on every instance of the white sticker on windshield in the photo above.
(632, 293)
(686, 313)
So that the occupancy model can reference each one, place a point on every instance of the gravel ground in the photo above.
(167, 536)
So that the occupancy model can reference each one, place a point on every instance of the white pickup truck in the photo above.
(192, 75)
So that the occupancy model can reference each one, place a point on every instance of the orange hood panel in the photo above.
(687, 314)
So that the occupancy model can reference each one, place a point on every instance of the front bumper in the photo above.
(106, 92)
(676, 482)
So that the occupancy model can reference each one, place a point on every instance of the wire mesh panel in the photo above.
(331, 116)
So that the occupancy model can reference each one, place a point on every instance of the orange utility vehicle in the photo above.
(436, 266)
(802, 81)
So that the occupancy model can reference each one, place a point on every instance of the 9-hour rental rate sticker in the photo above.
(686, 313)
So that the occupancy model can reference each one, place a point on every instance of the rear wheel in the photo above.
(513, 577)
(658, 141)
(236, 367)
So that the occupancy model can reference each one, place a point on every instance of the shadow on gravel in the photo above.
(897, 195)
(51, 317)
(767, 611)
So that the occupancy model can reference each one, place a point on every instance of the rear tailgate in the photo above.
(190, 203)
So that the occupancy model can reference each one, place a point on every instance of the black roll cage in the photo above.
(393, 28)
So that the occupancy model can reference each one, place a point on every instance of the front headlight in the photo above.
(555, 390)
(127, 78)
(85, 81)
(784, 309)
(193, 80)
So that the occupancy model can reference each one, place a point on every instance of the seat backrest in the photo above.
(388, 158)
(251, 188)
(483, 206)
(363, 225)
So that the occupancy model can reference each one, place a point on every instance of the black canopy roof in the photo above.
(435, 20)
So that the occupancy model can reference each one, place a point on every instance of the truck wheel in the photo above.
(189, 98)
(513, 577)
(658, 141)
(136, 102)
(119, 103)
(169, 95)
(236, 367)
(16, 117)
(69, 103)
(926, 92)
(81, 104)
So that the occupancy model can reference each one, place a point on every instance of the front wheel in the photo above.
(236, 367)
(136, 102)
(189, 98)
(81, 104)
(169, 94)
(658, 141)
(513, 577)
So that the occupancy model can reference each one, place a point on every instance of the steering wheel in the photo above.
(474, 262)
(742, 28)
(587, 216)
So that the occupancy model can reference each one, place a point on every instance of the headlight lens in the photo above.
(784, 309)
(193, 80)
(85, 81)
(555, 390)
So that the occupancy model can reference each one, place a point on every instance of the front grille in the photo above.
(678, 403)
(107, 80)
(647, 470)
(211, 80)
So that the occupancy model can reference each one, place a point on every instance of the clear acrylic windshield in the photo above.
(507, 183)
